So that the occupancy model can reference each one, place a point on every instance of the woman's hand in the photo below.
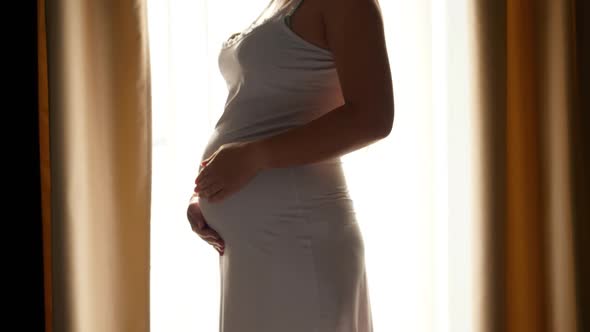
(200, 226)
(228, 169)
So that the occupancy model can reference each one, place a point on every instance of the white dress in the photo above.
(294, 252)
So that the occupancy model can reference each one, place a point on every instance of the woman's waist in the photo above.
(286, 190)
(320, 182)
(308, 184)
(224, 134)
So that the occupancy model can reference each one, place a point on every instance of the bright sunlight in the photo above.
(399, 185)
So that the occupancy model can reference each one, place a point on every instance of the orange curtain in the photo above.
(526, 274)
(95, 131)
(94, 116)
(528, 107)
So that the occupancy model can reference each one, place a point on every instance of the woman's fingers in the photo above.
(200, 223)
(218, 245)
(216, 242)
(216, 196)
(200, 226)
(209, 188)
(197, 223)
(194, 212)
(210, 235)
(194, 199)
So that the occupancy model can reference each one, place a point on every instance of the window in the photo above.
(418, 258)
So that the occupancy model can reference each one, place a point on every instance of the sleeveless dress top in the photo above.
(294, 252)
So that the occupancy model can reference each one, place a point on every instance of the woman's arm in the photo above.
(355, 35)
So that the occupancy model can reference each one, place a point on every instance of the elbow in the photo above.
(387, 125)
(377, 129)
(384, 124)
(383, 118)
(377, 123)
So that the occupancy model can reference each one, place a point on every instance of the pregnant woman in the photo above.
(309, 81)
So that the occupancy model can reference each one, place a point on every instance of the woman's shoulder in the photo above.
(344, 7)
(344, 14)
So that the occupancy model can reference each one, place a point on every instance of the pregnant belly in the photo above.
(269, 195)
(277, 201)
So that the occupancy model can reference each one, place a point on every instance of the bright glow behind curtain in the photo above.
(99, 105)
(399, 185)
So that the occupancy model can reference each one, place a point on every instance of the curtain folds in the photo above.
(531, 109)
(100, 144)
(526, 83)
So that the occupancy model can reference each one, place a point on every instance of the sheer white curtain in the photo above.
(400, 185)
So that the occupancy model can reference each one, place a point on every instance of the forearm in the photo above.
(334, 134)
